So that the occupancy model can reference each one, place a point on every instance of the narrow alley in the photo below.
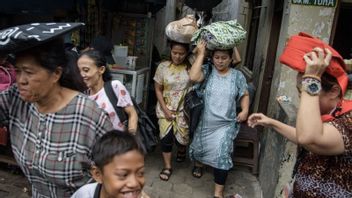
(181, 184)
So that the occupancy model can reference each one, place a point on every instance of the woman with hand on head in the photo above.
(52, 125)
(219, 125)
(171, 83)
(95, 73)
(323, 129)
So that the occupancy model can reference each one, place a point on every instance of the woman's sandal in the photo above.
(181, 156)
(165, 174)
(231, 196)
(197, 171)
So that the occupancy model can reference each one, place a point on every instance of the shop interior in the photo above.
(128, 24)
(341, 40)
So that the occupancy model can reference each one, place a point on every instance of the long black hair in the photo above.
(328, 81)
(72, 68)
(99, 61)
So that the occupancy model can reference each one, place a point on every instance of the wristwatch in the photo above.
(311, 85)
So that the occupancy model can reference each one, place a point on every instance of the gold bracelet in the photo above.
(311, 76)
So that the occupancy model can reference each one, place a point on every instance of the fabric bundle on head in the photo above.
(221, 35)
(298, 45)
(181, 31)
(22, 37)
(292, 56)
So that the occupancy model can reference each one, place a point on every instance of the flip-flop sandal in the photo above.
(181, 156)
(165, 174)
(197, 171)
(231, 196)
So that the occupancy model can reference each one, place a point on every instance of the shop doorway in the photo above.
(341, 36)
(271, 56)
(253, 33)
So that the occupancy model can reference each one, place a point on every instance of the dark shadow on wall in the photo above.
(152, 100)
(343, 33)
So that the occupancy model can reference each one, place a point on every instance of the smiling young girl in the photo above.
(94, 71)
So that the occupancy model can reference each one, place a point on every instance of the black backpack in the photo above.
(146, 129)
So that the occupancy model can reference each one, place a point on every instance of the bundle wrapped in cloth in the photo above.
(181, 30)
(220, 35)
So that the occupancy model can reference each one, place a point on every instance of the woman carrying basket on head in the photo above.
(171, 83)
(212, 144)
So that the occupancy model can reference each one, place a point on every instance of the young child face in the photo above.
(123, 177)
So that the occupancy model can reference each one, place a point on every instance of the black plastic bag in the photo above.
(145, 130)
(193, 107)
(194, 104)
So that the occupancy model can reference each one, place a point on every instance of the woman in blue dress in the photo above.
(219, 125)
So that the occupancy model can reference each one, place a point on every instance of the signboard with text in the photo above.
(325, 3)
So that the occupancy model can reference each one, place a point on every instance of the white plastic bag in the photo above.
(181, 30)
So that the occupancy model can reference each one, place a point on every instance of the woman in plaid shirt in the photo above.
(52, 126)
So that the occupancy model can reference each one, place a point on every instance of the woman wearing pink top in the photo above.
(95, 73)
